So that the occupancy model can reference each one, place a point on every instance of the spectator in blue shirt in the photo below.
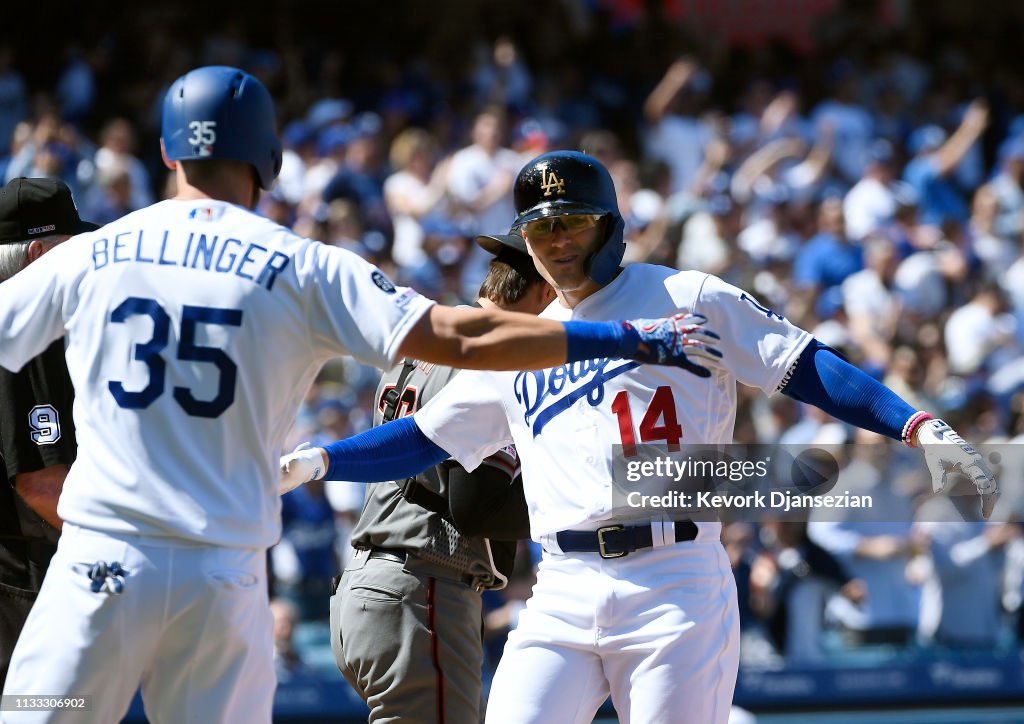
(935, 159)
(828, 257)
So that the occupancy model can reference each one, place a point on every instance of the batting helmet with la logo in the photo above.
(564, 183)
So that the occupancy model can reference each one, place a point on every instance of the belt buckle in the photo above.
(601, 546)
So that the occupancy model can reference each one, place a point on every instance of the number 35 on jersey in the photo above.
(218, 370)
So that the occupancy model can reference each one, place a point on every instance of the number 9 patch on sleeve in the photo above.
(45, 424)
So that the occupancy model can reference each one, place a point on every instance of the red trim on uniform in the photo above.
(501, 462)
(435, 657)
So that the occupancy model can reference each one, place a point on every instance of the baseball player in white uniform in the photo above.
(193, 329)
(643, 612)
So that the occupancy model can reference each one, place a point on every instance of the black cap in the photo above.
(495, 243)
(510, 249)
(34, 207)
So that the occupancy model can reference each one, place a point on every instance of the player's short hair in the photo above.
(509, 276)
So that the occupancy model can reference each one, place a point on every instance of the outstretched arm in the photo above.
(823, 379)
(491, 339)
(392, 451)
(485, 338)
(477, 338)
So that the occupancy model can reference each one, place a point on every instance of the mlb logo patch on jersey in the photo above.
(403, 300)
(206, 213)
(382, 282)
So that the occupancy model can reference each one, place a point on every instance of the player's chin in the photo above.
(570, 282)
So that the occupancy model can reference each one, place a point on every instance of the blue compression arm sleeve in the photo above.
(594, 340)
(392, 451)
(823, 379)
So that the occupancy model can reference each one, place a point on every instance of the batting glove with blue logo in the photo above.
(946, 452)
(675, 341)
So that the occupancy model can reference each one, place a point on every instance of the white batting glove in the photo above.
(301, 465)
(946, 452)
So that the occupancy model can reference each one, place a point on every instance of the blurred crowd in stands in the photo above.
(869, 186)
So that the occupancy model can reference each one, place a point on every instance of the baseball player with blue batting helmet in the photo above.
(198, 124)
(182, 320)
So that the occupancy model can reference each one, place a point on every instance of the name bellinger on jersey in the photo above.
(224, 255)
(162, 372)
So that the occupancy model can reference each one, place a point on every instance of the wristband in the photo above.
(915, 421)
(594, 340)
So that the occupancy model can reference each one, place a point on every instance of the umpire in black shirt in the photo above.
(37, 435)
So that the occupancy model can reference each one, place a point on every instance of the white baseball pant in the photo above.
(658, 630)
(193, 626)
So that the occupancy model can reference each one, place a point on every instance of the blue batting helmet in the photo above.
(562, 183)
(218, 112)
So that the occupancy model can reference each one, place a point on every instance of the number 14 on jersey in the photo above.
(659, 423)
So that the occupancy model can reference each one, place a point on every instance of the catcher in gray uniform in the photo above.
(406, 612)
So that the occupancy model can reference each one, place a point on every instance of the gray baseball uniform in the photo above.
(406, 617)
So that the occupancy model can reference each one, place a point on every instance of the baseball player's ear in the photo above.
(163, 154)
(34, 251)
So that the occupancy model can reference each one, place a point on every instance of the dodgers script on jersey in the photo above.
(176, 364)
(565, 421)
